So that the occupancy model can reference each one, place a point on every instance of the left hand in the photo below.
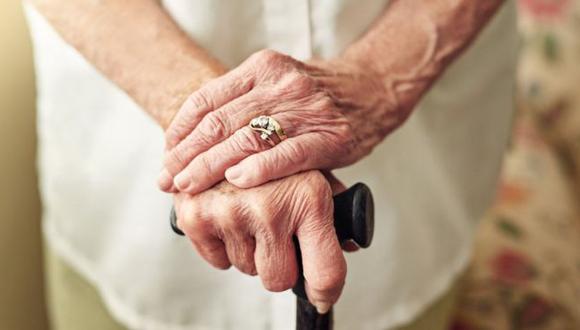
(253, 229)
(333, 113)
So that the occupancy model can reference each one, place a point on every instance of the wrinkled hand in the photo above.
(334, 113)
(252, 229)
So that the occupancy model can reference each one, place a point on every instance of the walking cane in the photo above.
(353, 220)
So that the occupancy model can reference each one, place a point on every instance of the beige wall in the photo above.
(21, 295)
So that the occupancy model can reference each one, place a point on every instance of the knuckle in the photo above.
(246, 141)
(296, 84)
(189, 219)
(213, 127)
(204, 164)
(229, 223)
(200, 99)
(209, 250)
(316, 186)
(294, 152)
(320, 196)
(180, 125)
(346, 137)
(173, 134)
(175, 160)
(267, 56)
(324, 101)
(302, 82)
(270, 224)
(266, 214)
(342, 141)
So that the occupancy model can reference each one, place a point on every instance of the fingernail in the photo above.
(164, 180)
(181, 181)
(323, 307)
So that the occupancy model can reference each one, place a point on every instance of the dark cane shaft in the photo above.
(308, 318)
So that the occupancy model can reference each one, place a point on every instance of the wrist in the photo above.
(369, 100)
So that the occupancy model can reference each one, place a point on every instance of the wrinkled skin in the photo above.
(252, 229)
(334, 113)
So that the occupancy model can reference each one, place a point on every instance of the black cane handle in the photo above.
(173, 222)
(354, 215)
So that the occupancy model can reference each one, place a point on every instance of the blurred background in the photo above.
(21, 292)
(525, 270)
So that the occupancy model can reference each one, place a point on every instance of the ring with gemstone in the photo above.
(269, 129)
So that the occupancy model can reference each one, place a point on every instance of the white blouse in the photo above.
(99, 156)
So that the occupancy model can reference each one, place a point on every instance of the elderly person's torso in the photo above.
(432, 179)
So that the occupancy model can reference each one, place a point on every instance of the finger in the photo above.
(203, 236)
(209, 167)
(240, 249)
(165, 181)
(212, 250)
(323, 263)
(213, 128)
(276, 263)
(286, 158)
(209, 97)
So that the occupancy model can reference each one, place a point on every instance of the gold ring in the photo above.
(268, 127)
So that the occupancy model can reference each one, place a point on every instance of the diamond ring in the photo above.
(269, 129)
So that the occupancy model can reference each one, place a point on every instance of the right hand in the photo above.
(334, 113)
(252, 229)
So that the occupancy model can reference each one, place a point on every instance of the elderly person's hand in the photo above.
(253, 230)
(333, 113)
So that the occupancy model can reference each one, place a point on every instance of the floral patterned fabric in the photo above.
(525, 270)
